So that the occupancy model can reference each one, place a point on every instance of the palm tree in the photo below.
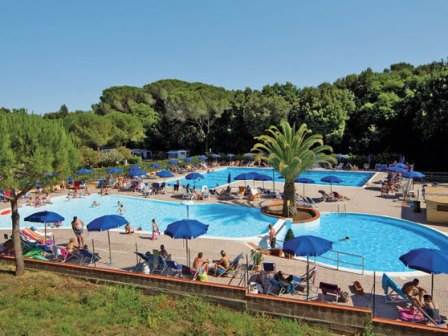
(291, 151)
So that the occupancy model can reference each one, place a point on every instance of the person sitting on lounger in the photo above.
(71, 245)
(199, 262)
(163, 252)
(430, 308)
(415, 292)
(284, 281)
(222, 264)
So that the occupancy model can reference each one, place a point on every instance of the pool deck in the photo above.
(365, 200)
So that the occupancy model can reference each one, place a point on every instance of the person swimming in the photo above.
(345, 238)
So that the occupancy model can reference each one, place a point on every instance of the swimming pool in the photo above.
(220, 177)
(230, 221)
(380, 240)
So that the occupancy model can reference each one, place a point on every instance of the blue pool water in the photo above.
(223, 220)
(381, 240)
(219, 177)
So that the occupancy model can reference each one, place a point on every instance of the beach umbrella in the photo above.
(194, 177)
(400, 165)
(304, 180)
(173, 162)
(230, 155)
(136, 171)
(244, 177)
(44, 217)
(249, 155)
(105, 223)
(415, 175)
(397, 168)
(84, 171)
(188, 159)
(115, 170)
(215, 156)
(332, 180)
(164, 173)
(202, 158)
(155, 165)
(186, 229)
(262, 177)
(307, 246)
(427, 260)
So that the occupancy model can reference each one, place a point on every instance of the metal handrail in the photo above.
(340, 263)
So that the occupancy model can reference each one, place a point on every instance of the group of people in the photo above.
(391, 184)
(39, 200)
(421, 298)
(202, 265)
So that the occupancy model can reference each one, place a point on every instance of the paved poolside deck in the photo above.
(361, 200)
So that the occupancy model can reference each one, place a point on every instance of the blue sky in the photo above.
(54, 52)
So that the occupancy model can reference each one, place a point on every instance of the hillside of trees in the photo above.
(402, 110)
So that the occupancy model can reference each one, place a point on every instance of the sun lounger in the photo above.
(233, 267)
(173, 268)
(327, 197)
(392, 291)
(332, 289)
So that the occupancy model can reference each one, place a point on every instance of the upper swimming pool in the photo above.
(380, 240)
(220, 177)
(230, 221)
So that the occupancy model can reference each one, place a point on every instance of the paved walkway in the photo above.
(361, 200)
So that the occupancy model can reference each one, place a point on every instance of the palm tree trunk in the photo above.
(289, 197)
(15, 217)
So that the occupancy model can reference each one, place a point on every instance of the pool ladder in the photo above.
(342, 208)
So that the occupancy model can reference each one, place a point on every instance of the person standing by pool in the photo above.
(78, 229)
(272, 234)
(155, 229)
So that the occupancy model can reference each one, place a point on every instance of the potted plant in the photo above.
(257, 258)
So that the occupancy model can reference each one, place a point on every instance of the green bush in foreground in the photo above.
(47, 304)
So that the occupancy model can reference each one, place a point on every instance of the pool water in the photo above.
(229, 221)
(381, 240)
(220, 177)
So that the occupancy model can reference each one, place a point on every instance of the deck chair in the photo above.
(392, 291)
(173, 269)
(332, 289)
(158, 263)
(233, 267)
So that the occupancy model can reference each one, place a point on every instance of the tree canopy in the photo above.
(400, 110)
(33, 150)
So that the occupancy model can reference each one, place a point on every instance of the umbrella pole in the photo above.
(273, 180)
(186, 252)
(93, 251)
(432, 285)
(303, 192)
(307, 277)
(110, 251)
(45, 234)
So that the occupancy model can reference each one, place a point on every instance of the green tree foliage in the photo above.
(90, 129)
(399, 110)
(130, 100)
(324, 109)
(291, 151)
(39, 150)
(191, 104)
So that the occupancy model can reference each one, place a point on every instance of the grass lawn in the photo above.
(42, 303)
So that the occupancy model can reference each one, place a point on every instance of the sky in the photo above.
(55, 52)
